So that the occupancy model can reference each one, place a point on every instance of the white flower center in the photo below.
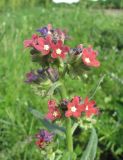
(73, 109)
(55, 114)
(58, 51)
(46, 47)
(87, 60)
(49, 32)
(86, 108)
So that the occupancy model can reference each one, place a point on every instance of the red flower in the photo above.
(89, 57)
(43, 45)
(54, 113)
(74, 108)
(40, 143)
(52, 104)
(59, 50)
(88, 107)
(31, 42)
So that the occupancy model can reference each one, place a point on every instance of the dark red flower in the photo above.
(89, 57)
(89, 107)
(74, 108)
(59, 50)
(43, 45)
(40, 143)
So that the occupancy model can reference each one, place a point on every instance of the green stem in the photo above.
(69, 138)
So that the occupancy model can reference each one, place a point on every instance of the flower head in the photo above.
(74, 108)
(59, 50)
(43, 137)
(89, 57)
(53, 113)
(31, 42)
(52, 104)
(43, 45)
(45, 30)
(89, 107)
(31, 77)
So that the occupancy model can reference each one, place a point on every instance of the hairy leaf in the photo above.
(90, 152)
(50, 126)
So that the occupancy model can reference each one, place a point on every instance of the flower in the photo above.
(74, 108)
(52, 104)
(45, 30)
(59, 50)
(43, 137)
(31, 77)
(89, 107)
(89, 57)
(43, 45)
(31, 42)
(53, 113)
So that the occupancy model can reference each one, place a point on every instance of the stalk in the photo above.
(69, 138)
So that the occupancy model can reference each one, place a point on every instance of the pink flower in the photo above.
(89, 57)
(74, 108)
(43, 45)
(88, 107)
(52, 104)
(31, 42)
(53, 113)
(59, 50)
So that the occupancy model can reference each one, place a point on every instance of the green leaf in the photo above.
(74, 127)
(66, 156)
(53, 88)
(69, 156)
(90, 152)
(50, 126)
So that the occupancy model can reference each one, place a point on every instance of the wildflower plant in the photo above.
(64, 113)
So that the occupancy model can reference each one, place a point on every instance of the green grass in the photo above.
(103, 31)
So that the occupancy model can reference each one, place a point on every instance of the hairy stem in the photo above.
(69, 138)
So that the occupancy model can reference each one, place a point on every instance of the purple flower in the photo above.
(45, 135)
(31, 77)
(43, 31)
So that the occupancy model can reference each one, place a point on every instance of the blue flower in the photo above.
(45, 135)
(43, 31)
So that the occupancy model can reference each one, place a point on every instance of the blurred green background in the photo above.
(98, 23)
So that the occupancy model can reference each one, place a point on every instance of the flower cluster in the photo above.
(73, 108)
(50, 44)
(44, 137)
